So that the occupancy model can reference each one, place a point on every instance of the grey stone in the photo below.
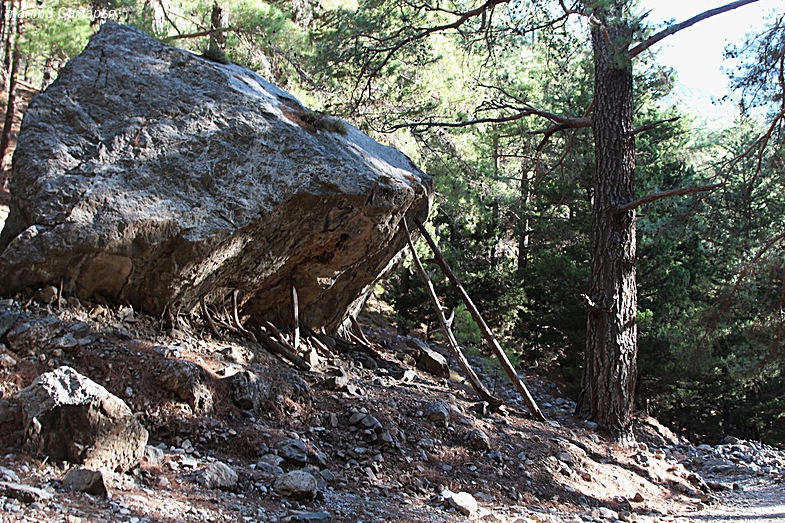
(7, 361)
(22, 492)
(432, 362)
(297, 484)
(478, 440)
(187, 380)
(69, 417)
(604, 513)
(153, 455)
(293, 451)
(248, 389)
(217, 475)
(85, 480)
(310, 517)
(150, 176)
(438, 412)
(463, 502)
(7, 321)
(267, 468)
(8, 475)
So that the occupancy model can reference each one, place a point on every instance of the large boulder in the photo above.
(149, 175)
(68, 417)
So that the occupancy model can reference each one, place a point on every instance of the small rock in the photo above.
(187, 380)
(297, 484)
(293, 450)
(153, 455)
(463, 502)
(46, 295)
(218, 475)
(438, 412)
(7, 361)
(85, 480)
(478, 440)
(22, 492)
(432, 362)
(604, 513)
(310, 517)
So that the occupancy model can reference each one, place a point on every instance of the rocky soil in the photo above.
(359, 438)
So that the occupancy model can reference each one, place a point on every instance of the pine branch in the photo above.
(652, 125)
(675, 28)
(666, 194)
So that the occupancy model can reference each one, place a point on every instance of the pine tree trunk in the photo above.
(610, 366)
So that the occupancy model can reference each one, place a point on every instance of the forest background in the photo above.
(514, 195)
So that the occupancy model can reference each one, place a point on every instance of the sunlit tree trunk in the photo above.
(611, 347)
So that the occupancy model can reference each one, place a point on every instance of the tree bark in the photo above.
(10, 109)
(610, 359)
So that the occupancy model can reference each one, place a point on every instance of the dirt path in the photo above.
(758, 503)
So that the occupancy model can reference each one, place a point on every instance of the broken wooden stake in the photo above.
(296, 307)
(208, 319)
(236, 318)
(486, 331)
(282, 351)
(468, 372)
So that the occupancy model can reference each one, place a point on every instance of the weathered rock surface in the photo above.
(151, 176)
(22, 492)
(218, 475)
(297, 484)
(85, 480)
(69, 417)
(187, 380)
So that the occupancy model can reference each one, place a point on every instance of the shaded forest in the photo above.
(496, 102)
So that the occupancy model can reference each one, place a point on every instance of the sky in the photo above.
(697, 52)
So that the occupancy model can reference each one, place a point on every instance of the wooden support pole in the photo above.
(296, 307)
(281, 350)
(486, 331)
(208, 319)
(468, 372)
(236, 318)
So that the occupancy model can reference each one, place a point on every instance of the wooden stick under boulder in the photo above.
(296, 307)
(236, 318)
(208, 319)
(468, 372)
(282, 351)
(486, 331)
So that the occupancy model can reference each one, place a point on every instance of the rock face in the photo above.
(151, 176)
(69, 417)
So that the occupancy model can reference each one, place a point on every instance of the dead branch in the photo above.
(279, 336)
(562, 122)
(321, 347)
(652, 125)
(675, 28)
(358, 329)
(236, 318)
(208, 319)
(468, 372)
(362, 345)
(666, 194)
(486, 331)
(282, 351)
(296, 312)
(200, 34)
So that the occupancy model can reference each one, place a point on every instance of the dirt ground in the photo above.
(557, 471)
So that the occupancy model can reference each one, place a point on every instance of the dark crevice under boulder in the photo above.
(151, 176)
